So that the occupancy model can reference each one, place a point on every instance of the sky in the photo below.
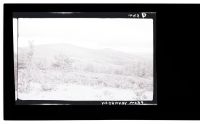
(123, 34)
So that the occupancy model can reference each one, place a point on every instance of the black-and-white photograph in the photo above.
(84, 59)
(76, 61)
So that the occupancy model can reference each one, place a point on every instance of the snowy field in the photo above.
(68, 72)
(82, 92)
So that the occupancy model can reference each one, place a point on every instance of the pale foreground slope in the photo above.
(67, 72)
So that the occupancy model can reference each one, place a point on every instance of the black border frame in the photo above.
(170, 19)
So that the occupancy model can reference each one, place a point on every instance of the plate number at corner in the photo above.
(137, 15)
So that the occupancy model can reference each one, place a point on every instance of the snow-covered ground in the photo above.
(77, 92)
(67, 72)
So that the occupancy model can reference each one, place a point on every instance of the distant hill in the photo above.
(103, 56)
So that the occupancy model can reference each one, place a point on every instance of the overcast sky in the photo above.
(127, 35)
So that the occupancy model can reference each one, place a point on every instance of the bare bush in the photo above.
(25, 67)
(62, 62)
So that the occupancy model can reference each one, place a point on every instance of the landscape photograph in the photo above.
(83, 59)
